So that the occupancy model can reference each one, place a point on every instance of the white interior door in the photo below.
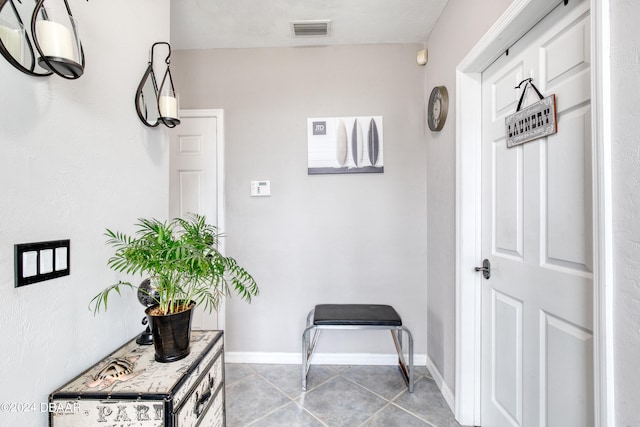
(193, 179)
(537, 315)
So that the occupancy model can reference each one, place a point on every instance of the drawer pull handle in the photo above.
(201, 401)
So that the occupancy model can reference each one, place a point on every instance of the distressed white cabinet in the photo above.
(148, 393)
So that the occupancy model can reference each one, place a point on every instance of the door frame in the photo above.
(520, 17)
(218, 114)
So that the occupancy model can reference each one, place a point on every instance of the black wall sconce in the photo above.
(50, 44)
(157, 105)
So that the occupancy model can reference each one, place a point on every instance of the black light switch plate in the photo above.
(37, 262)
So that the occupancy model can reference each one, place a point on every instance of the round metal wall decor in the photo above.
(437, 108)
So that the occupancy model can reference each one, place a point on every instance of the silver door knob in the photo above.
(486, 269)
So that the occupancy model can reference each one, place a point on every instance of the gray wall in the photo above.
(358, 238)
(460, 27)
(75, 159)
(625, 81)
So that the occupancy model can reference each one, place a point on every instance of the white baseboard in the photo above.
(444, 389)
(320, 358)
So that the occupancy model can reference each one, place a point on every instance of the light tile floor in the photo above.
(349, 396)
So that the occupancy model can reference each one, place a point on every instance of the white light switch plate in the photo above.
(260, 188)
(39, 261)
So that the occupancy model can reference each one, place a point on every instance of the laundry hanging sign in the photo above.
(535, 121)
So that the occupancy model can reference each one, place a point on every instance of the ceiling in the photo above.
(209, 24)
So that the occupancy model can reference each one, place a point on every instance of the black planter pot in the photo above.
(171, 334)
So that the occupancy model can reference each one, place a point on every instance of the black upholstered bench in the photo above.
(356, 316)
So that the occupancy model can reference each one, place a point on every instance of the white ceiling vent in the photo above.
(310, 28)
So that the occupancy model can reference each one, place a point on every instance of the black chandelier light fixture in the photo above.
(157, 105)
(49, 45)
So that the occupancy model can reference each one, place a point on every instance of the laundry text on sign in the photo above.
(535, 121)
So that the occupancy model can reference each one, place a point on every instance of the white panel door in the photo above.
(192, 168)
(193, 181)
(537, 315)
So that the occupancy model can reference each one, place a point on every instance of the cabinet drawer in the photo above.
(202, 396)
(214, 417)
(189, 383)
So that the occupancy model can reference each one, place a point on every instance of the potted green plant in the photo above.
(182, 258)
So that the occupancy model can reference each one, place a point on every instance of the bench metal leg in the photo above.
(308, 346)
(407, 371)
